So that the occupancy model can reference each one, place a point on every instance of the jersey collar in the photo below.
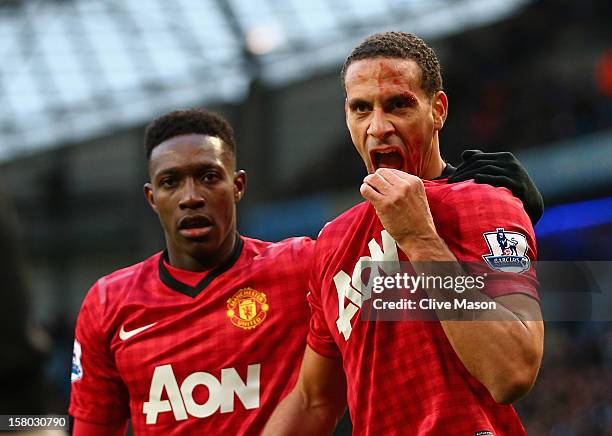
(448, 171)
(193, 291)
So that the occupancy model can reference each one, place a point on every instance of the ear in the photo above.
(439, 109)
(148, 193)
(240, 182)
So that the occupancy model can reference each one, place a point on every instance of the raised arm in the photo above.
(502, 350)
(316, 403)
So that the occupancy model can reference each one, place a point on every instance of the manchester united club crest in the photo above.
(247, 308)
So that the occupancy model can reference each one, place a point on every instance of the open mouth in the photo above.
(387, 158)
(196, 226)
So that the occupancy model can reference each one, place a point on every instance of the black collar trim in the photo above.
(194, 291)
(448, 171)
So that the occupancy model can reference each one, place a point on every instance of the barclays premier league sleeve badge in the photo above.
(507, 251)
(77, 368)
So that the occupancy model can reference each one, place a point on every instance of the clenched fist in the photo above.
(401, 204)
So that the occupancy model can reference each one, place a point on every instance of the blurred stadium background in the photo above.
(79, 80)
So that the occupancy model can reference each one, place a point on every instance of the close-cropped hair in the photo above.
(400, 45)
(194, 121)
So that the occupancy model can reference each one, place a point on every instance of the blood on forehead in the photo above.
(384, 73)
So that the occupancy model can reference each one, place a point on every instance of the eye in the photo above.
(167, 182)
(400, 103)
(211, 177)
(360, 107)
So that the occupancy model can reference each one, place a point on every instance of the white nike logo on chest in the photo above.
(125, 335)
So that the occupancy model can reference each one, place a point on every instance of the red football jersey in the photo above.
(404, 377)
(216, 357)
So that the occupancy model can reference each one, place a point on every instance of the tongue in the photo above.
(389, 160)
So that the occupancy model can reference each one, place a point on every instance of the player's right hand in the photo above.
(401, 204)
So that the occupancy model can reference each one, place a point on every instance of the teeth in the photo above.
(385, 151)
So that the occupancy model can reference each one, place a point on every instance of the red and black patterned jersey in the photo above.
(404, 377)
(179, 359)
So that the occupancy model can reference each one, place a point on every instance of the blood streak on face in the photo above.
(392, 121)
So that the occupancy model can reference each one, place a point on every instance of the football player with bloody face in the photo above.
(412, 377)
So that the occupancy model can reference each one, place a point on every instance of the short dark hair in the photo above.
(401, 45)
(193, 121)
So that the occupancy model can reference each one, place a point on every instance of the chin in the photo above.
(204, 250)
(202, 244)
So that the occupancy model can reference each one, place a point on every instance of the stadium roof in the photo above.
(73, 69)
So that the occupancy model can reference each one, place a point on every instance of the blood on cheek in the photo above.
(415, 160)
(414, 142)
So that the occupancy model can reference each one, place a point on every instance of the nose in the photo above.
(380, 127)
(191, 197)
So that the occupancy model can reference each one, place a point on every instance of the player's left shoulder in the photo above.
(467, 208)
(472, 196)
(484, 220)
(287, 249)
(481, 191)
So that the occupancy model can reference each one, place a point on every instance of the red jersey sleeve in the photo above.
(319, 337)
(486, 225)
(98, 395)
(303, 255)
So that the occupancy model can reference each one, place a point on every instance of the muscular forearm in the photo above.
(499, 354)
(296, 416)
(503, 354)
(502, 348)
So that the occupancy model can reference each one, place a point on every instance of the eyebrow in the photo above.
(188, 168)
(405, 95)
(355, 101)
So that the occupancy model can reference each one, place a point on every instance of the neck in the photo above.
(434, 170)
(434, 164)
(198, 261)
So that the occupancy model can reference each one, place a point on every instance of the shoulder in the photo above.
(466, 214)
(294, 246)
(257, 246)
(468, 203)
(112, 287)
(349, 219)
(462, 193)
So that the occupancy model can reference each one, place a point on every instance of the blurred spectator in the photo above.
(23, 345)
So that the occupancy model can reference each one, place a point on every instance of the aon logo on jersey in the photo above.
(354, 289)
(221, 393)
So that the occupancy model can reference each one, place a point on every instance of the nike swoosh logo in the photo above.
(124, 336)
